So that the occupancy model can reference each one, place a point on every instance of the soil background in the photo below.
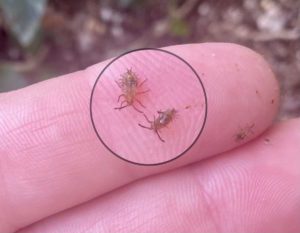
(76, 34)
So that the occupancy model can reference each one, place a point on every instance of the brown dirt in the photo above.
(75, 36)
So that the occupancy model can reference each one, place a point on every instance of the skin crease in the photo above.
(51, 159)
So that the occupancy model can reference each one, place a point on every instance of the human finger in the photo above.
(254, 188)
(51, 158)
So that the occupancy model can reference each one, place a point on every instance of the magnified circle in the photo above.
(148, 106)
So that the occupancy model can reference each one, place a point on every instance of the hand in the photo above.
(51, 162)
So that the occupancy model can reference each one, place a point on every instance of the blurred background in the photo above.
(40, 39)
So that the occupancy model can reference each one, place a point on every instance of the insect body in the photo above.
(163, 120)
(129, 84)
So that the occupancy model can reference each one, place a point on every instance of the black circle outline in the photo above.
(91, 102)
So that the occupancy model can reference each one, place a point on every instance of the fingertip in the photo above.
(242, 92)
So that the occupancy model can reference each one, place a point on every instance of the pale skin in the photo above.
(50, 159)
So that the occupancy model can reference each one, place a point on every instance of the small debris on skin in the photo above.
(258, 93)
(237, 67)
(267, 141)
(243, 133)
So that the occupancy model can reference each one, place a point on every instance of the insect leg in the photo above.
(147, 118)
(118, 84)
(142, 92)
(140, 103)
(119, 108)
(141, 84)
(122, 105)
(120, 97)
(137, 109)
(145, 127)
(156, 131)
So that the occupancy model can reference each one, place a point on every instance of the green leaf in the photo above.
(10, 79)
(23, 18)
(179, 27)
